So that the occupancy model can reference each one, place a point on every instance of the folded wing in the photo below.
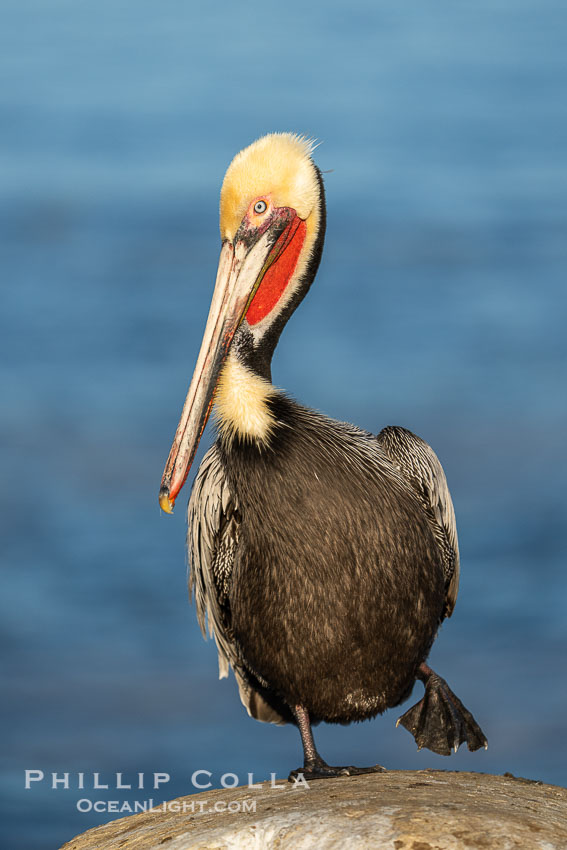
(421, 468)
(212, 541)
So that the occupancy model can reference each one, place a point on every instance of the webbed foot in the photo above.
(314, 767)
(321, 770)
(439, 721)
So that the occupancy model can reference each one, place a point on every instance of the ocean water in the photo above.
(440, 305)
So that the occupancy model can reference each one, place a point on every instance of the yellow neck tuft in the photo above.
(241, 403)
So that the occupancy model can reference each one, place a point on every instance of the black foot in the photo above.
(314, 767)
(440, 721)
(321, 770)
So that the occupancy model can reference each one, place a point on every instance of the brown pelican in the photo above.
(323, 557)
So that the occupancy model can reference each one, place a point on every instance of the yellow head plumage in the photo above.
(278, 165)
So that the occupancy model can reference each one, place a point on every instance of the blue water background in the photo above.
(440, 305)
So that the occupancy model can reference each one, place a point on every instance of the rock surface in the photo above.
(397, 810)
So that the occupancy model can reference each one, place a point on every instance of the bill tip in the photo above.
(165, 503)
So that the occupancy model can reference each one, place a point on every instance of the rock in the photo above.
(397, 810)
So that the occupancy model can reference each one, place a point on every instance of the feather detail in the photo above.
(420, 466)
(241, 404)
(212, 539)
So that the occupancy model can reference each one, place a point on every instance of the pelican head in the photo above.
(272, 224)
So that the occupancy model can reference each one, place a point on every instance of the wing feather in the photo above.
(212, 539)
(212, 529)
(420, 466)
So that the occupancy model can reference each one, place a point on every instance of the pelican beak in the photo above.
(242, 266)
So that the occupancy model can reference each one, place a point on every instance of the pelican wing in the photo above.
(212, 540)
(420, 466)
(212, 537)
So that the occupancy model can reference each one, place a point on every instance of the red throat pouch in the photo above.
(278, 276)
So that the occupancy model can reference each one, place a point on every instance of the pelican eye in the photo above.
(260, 207)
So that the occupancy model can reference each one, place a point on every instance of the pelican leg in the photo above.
(439, 721)
(314, 767)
